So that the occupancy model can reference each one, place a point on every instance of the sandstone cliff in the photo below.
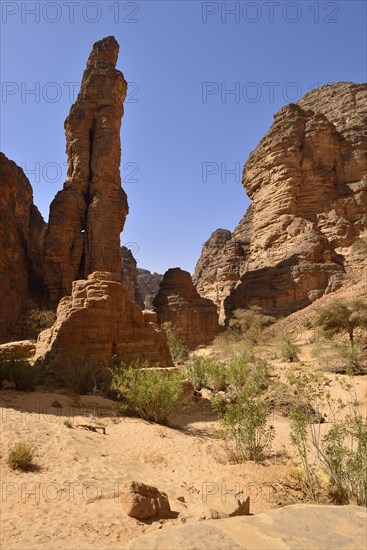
(307, 183)
(88, 215)
(193, 319)
(22, 231)
(96, 322)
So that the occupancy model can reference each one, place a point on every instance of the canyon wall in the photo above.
(22, 232)
(307, 184)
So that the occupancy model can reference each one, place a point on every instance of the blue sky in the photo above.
(205, 80)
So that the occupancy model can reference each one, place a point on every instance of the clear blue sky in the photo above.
(183, 131)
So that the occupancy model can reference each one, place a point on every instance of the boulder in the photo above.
(142, 501)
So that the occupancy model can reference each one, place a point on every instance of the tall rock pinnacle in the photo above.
(88, 215)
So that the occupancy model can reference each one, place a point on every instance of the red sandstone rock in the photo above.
(22, 232)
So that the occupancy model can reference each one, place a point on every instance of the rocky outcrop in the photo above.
(142, 285)
(148, 287)
(22, 231)
(193, 319)
(99, 321)
(88, 215)
(289, 528)
(307, 183)
(220, 265)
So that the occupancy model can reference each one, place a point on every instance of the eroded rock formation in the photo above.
(88, 215)
(142, 285)
(129, 274)
(307, 183)
(98, 321)
(193, 319)
(22, 231)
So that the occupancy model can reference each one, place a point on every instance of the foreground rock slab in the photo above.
(142, 501)
(301, 526)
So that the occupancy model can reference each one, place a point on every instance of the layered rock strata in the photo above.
(307, 183)
(99, 321)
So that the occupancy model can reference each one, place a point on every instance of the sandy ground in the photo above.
(55, 506)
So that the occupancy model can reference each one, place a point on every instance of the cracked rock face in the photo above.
(88, 215)
(307, 183)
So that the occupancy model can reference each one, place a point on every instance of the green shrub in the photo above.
(152, 394)
(289, 350)
(239, 374)
(20, 456)
(249, 324)
(247, 379)
(179, 350)
(341, 452)
(204, 372)
(19, 371)
(342, 316)
(245, 423)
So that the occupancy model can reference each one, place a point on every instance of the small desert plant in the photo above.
(245, 423)
(242, 376)
(83, 375)
(19, 371)
(152, 394)
(341, 452)
(289, 350)
(68, 424)
(343, 317)
(250, 323)
(178, 349)
(205, 372)
(20, 456)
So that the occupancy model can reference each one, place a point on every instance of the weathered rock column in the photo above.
(88, 215)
